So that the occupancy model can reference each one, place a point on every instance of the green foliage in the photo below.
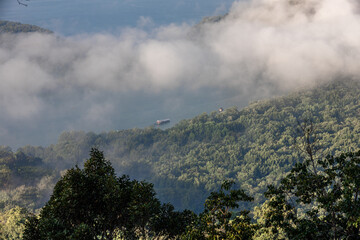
(311, 197)
(14, 27)
(255, 146)
(12, 223)
(327, 190)
(216, 220)
(217, 212)
(25, 180)
(92, 203)
(171, 224)
(264, 215)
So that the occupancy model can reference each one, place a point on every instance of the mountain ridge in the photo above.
(254, 146)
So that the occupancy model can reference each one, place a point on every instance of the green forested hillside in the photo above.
(15, 27)
(254, 146)
(24, 180)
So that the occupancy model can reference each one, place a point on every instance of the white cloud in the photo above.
(259, 44)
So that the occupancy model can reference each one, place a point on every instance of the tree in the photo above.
(91, 200)
(170, 224)
(216, 221)
(319, 198)
(266, 230)
(92, 203)
(328, 196)
(12, 223)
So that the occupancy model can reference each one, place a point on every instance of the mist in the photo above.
(103, 82)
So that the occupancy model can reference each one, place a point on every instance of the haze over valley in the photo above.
(106, 81)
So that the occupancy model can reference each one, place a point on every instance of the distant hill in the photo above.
(15, 27)
(255, 146)
(212, 19)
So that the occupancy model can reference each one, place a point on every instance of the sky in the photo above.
(73, 17)
(111, 80)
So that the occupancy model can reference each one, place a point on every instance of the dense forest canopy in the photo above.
(93, 203)
(254, 146)
(318, 199)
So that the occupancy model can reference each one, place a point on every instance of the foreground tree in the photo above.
(217, 220)
(318, 199)
(12, 223)
(92, 203)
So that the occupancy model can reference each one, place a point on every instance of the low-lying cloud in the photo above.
(260, 48)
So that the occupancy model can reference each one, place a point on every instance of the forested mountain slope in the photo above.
(24, 180)
(254, 146)
(15, 27)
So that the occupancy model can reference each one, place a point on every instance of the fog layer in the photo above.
(101, 82)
